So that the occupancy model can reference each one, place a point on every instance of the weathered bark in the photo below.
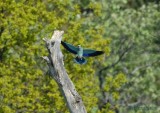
(58, 72)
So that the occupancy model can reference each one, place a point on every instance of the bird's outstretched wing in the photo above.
(91, 53)
(70, 47)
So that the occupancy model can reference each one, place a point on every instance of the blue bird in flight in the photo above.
(80, 52)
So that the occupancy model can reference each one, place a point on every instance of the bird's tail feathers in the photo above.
(80, 60)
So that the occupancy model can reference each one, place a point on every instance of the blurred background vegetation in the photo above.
(125, 79)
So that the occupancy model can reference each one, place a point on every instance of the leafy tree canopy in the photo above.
(24, 86)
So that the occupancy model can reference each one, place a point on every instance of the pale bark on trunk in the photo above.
(58, 73)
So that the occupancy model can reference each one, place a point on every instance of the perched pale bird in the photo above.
(80, 52)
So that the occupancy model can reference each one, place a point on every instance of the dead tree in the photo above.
(58, 73)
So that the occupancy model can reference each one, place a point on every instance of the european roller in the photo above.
(80, 52)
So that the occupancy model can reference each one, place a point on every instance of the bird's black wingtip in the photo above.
(100, 52)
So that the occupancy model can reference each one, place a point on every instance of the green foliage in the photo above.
(24, 86)
(133, 28)
(134, 32)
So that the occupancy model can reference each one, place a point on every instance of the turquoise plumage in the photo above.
(80, 52)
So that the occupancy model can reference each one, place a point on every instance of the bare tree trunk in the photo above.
(58, 72)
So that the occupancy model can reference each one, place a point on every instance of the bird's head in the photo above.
(79, 46)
